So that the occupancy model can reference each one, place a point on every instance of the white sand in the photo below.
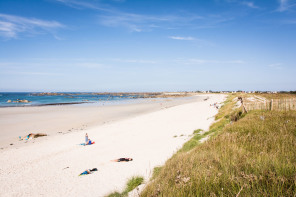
(40, 168)
(58, 120)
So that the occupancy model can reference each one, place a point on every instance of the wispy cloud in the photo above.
(289, 22)
(11, 26)
(276, 66)
(24, 73)
(205, 61)
(89, 65)
(285, 5)
(181, 38)
(35, 64)
(140, 22)
(83, 4)
(249, 4)
(199, 42)
(112, 17)
(138, 61)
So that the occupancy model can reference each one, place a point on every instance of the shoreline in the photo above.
(50, 119)
(26, 100)
(40, 105)
(50, 166)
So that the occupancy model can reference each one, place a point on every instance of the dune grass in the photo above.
(250, 155)
(132, 183)
(222, 119)
(277, 96)
(156, 171)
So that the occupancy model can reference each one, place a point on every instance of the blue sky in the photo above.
(146, 45)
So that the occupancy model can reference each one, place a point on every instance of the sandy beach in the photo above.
(149, 132)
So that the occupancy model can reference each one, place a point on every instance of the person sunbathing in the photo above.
(123, 160)
(32, 135)
(88, 171)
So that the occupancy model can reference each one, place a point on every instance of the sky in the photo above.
(147, 45)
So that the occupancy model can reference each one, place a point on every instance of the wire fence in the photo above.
(273, 104)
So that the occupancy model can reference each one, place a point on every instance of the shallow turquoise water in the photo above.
(68, 98)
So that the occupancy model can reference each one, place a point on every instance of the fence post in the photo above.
(271, 103)
(244, 108)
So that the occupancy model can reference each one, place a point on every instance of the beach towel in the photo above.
(88, 171)
(83, 144)
(84, 173)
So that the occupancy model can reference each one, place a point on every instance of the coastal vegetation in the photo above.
(132, 183)
(249, 154)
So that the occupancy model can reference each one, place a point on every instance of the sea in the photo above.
(12, 99)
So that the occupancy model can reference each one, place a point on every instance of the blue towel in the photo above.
(83, 173)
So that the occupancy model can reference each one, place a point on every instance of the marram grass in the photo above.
(132, 183)
(254, 156)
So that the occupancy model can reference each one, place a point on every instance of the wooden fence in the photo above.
(273, 104)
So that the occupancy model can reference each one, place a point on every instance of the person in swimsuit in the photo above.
(32, 135)
(88, 171)
(123, 160)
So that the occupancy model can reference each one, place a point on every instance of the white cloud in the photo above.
(82, 4)
(37, 63)
(286, 5)
(24, 73)
(289, 22)
(139, 22)
(283, 5)
(139, 61)
(7, 29)
(249, 4)
(11, 26)
(181, 38)
(89, 65)
(112, 17)
(276, 66)
(204, 61)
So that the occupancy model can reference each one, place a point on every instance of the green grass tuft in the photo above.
(156, 172)
(197, 131)
(115, 194)
(133, 183)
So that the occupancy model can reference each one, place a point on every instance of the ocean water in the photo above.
(68, 98)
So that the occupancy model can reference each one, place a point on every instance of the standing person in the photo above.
(86, 139)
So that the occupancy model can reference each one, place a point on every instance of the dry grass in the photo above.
(281, 102)
(227, 106)
(254, 156)
(277, 96)
(132, 183)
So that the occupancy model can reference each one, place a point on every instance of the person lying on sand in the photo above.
(32, 135)
(89, 171)
(123, 160)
